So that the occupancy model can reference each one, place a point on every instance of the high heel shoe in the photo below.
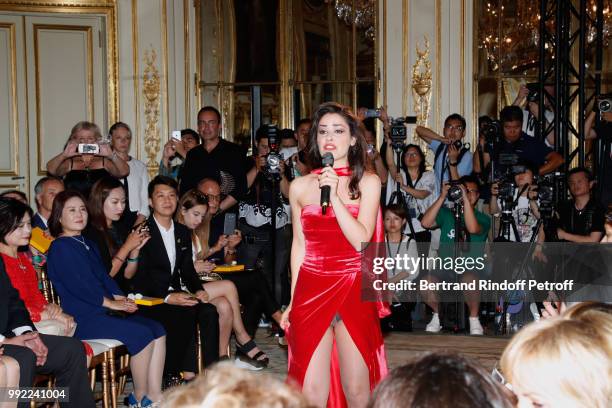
(251, 363)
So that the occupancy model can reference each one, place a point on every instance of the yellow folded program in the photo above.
(149, 301)
(228, 268)
(40, 241)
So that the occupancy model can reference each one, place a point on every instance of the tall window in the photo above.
(301, 53)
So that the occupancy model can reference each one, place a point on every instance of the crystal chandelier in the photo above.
(509, 32)
(358, 12)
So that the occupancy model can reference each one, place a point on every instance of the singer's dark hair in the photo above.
(357, 158)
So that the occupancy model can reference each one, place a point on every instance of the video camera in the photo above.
(399, 131)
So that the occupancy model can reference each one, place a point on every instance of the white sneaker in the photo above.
(434, 325)
(475, 327)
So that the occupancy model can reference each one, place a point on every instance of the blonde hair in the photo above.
(84, 125)
(189, 200)
(568, 361)
(226, 386)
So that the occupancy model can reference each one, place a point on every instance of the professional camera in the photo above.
(372, 113)
(492, 131)
(454, 192)
(604, 103)
(547, 186)
(534, 92)
(273, 159)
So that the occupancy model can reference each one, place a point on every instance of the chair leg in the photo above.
(105, 399)
(199, 354)
(113, 384)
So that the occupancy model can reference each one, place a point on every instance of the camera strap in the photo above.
(443, 149)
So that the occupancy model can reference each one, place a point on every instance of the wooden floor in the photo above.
(401, 347)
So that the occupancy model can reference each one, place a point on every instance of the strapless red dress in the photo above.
(329, 284)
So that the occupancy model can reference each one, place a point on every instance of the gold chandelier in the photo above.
(358, 12)
(509, 32)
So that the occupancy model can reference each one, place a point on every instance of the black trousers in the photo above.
(256, 251)
(65, 360)
(255, 297)
(180, 324)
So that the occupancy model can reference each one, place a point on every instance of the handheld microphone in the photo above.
(328, 161)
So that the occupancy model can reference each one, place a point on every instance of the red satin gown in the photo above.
(329, 284)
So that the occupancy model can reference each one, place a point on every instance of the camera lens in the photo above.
(605, 105)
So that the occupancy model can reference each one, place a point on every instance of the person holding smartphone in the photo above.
(86, 159)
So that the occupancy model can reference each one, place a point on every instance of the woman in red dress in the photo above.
(336, 351)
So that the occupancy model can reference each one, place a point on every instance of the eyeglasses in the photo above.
(451, 127)
(412, 154)
(473, 191)
(212, 197)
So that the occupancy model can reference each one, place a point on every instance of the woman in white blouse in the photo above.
(417, 186)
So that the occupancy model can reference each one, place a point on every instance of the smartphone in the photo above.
(86, 148)
(176, 135)
(229, 224)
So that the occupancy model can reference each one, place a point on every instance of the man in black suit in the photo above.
(38, 353)
(165, 270)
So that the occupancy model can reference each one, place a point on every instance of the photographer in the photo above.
(514, 143)
(452, 159)
(465, 195)
(267, 187)
(521, 198)
(603, 132)
(528, 100)
(581, 219)
(174, 153)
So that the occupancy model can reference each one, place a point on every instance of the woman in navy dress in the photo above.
(95, 301)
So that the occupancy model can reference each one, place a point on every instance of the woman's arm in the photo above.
(60, 164)
(360, 230)
(419, 194)
(114, 164)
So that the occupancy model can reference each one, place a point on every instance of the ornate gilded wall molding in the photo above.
(422, 84)
(151, 90)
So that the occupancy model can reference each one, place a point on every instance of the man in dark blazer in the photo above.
(165, 270)
(38, 353)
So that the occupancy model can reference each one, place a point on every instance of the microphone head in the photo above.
(328, 159)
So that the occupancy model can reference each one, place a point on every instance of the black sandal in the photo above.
(242, 354)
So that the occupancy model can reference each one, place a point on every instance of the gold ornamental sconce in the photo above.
(151, 91)
(421, 85)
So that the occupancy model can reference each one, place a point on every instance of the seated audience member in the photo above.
(137, 181)
(476, 225)
(100, 309)
(253, 289)
(64, 357)
(118, 247)
(439, 380)
(450, 162)
(81, 170)
(15, 195)
(15, 231)
(9, 376)
(45, 191)
(165, 270)
(399, 244)
(581, 219)
(561, 362)
(221, 293)
(220, 246)
(228, 386)
(175, 152)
